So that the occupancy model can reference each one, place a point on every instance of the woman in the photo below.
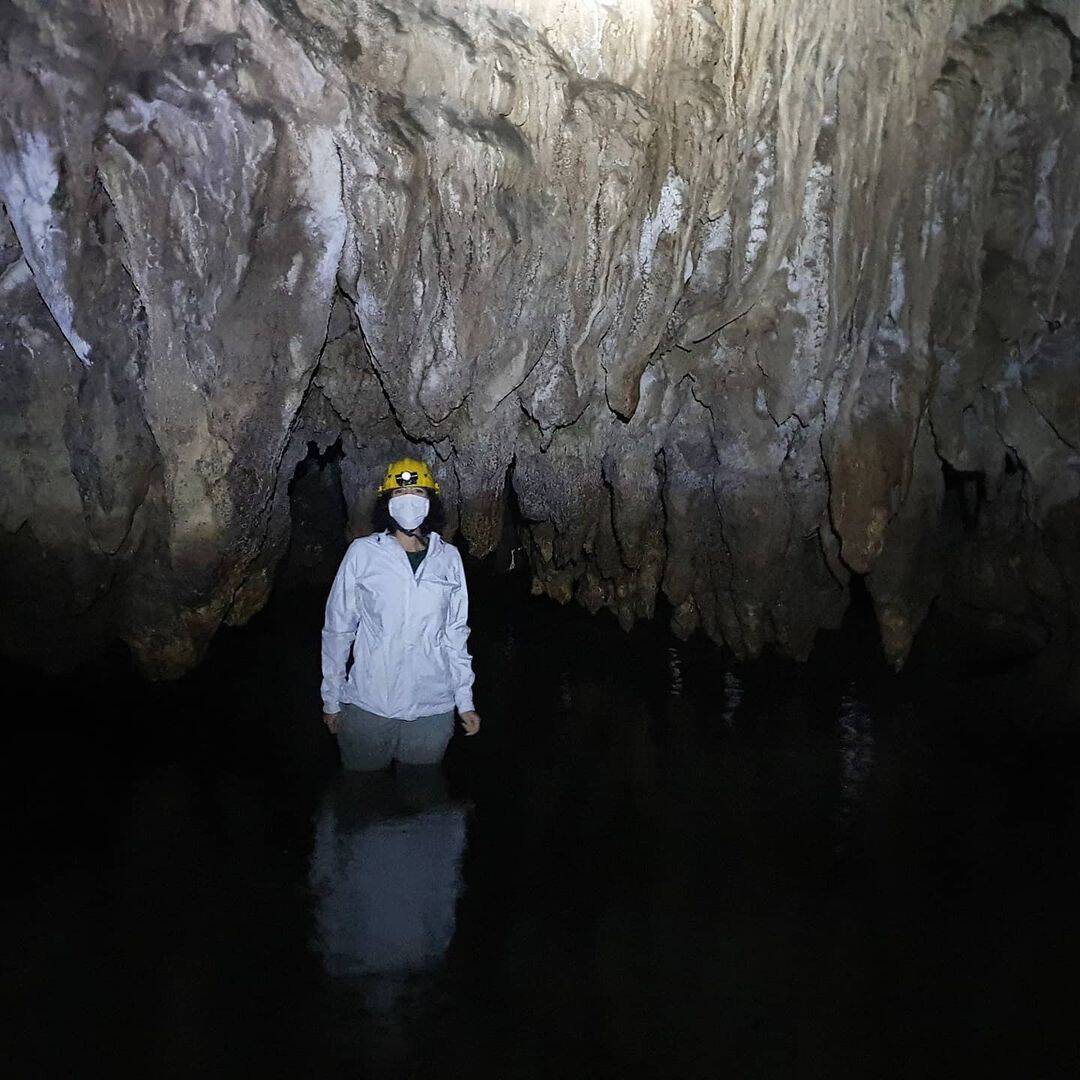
(400, 602)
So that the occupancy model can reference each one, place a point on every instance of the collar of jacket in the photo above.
(397, 553)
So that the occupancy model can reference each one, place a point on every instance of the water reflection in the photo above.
(386, 873)
(675, 684)
(856, 751)
(733, 695)
(850, 876)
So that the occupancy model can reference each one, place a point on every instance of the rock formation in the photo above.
(722, 301)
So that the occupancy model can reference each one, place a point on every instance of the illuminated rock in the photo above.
(712, 291)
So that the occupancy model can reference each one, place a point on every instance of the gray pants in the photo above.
(368, 741)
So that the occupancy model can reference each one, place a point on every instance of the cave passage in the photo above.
(751, 324)
(649, 863)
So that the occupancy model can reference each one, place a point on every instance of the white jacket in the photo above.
(407, 632)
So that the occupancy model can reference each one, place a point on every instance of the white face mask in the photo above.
(409, 510)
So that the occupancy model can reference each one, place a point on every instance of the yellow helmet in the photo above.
(408, 472)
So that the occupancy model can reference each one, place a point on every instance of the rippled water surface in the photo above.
(652, 862)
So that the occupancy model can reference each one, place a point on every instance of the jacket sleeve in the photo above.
(339, 629)
(457, 633)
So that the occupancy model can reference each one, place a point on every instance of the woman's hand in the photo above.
(470, 721)
(330, 719)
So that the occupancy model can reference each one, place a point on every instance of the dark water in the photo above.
(652, 862)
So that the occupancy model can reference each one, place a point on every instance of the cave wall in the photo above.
(730, 300)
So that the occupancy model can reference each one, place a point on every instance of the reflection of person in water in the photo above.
(386, 873)
(400, 603)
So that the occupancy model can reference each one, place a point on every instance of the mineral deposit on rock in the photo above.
(725, 301)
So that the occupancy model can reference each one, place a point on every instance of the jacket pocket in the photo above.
(434, 600)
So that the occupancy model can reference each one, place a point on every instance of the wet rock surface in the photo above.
(722, 302)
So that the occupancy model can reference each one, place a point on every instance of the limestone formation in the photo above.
(726, 302)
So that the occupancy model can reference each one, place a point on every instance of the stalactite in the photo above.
(710, 292)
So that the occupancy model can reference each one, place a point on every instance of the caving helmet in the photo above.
(408, 472)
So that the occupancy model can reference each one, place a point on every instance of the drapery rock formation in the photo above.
(722, 301)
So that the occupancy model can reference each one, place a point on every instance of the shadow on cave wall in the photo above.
(319, 516)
